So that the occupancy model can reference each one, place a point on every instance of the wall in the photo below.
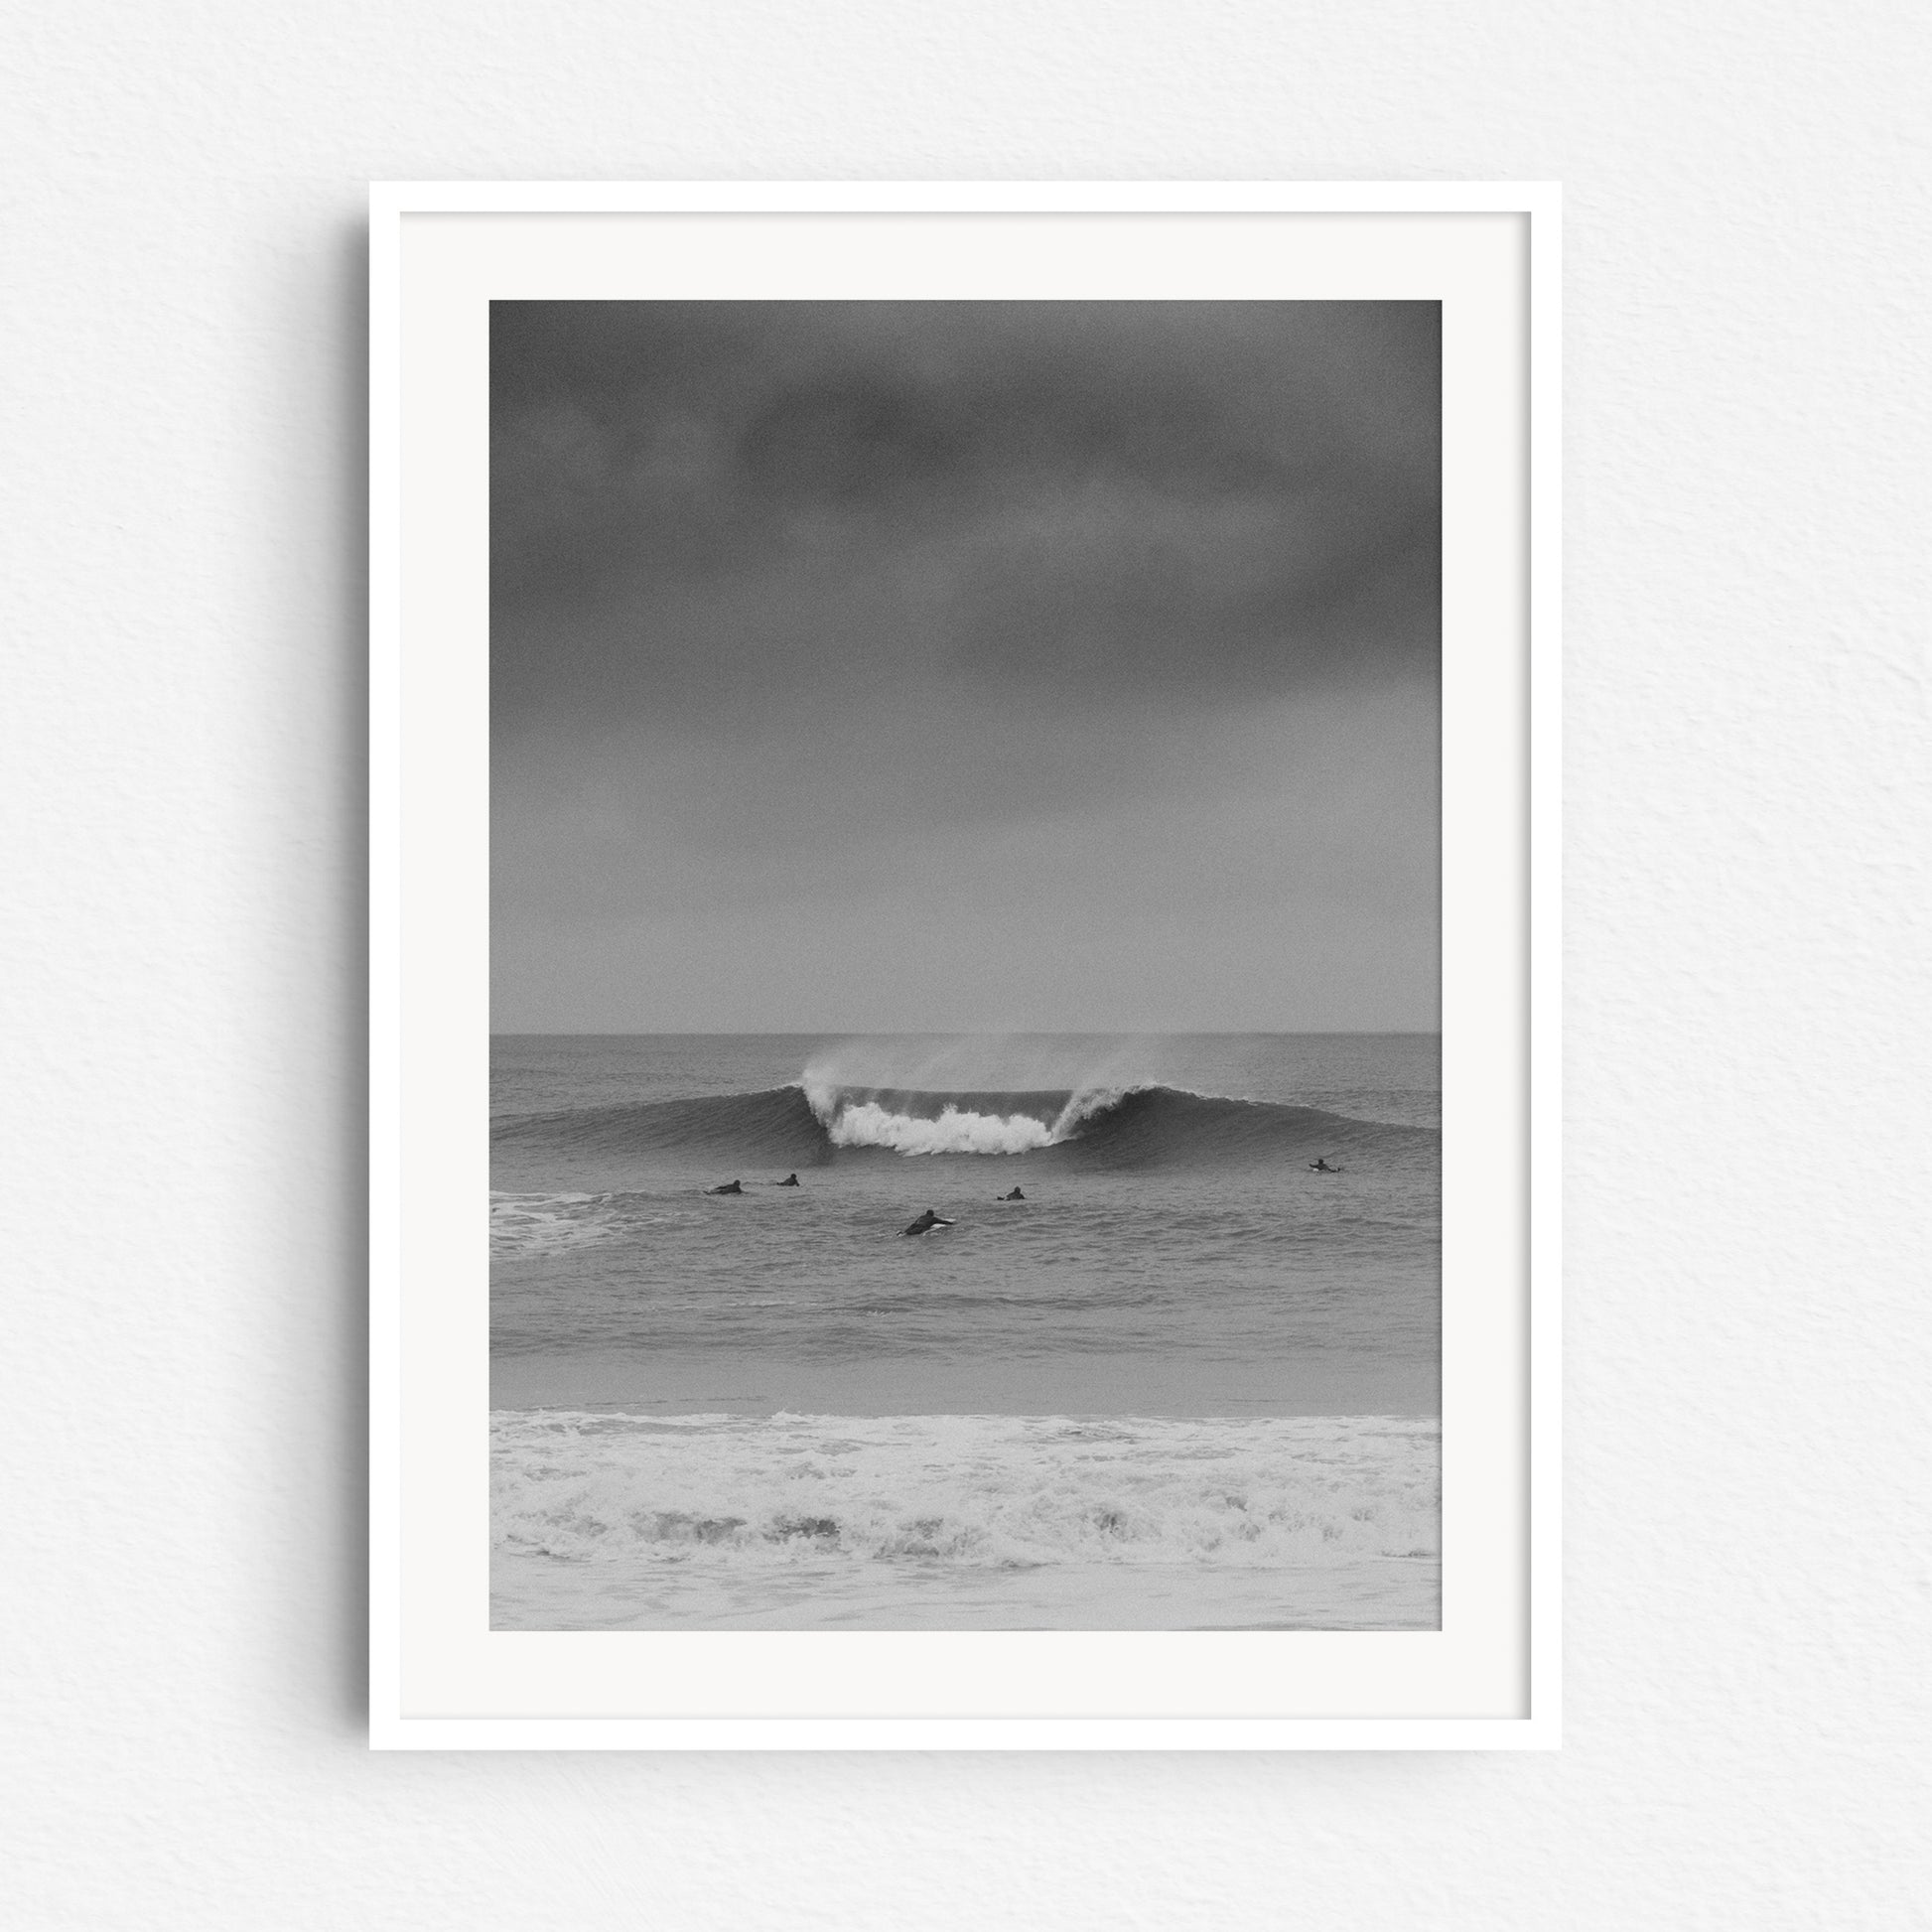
(1747, 405)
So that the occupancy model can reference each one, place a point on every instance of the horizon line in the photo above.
(970, 1032)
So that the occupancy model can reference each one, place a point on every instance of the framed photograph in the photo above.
(964, 966)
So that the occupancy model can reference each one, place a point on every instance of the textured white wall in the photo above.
(1748, 815)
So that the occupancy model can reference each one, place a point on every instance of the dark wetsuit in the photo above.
(729, 1187)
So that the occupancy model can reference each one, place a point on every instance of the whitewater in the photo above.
(711, 1519)
(868, 1118)
(1186, 1381)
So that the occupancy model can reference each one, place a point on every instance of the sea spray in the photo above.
(866, 1123)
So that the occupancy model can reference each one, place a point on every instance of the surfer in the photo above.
(1015, 1195)
(790, 1180)
(925, 1224)
(729, 1187)
(1322, 1166)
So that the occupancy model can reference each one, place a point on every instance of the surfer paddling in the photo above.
(790, 1180)
(925, 1224)
(1015, 1195)
(729, 1187)
(1321, 1167)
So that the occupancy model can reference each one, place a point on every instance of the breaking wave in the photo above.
(912, 1122)
(810, 1124)
(972, 1491)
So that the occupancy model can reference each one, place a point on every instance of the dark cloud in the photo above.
(867, 664)
(1216, 500)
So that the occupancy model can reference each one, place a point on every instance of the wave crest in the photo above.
(868, 1124)
(910, 1122)
(811, 1123)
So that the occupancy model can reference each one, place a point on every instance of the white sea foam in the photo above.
(854, 1122)
(867, 1124)
(720, 1493)
(550, 1224)
(541, 1223)
(1082, 1106)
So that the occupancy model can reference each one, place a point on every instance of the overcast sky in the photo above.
(956, 666)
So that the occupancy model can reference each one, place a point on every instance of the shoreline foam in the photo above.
(608, 1521)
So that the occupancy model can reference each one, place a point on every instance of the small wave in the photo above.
(550, 1224)
(974, 1491)
(541, 1223)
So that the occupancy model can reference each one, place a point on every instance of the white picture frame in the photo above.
(440, 1678)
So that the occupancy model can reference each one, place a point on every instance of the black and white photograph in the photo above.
(965, 991)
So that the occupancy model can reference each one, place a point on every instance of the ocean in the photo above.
(1187, 1381)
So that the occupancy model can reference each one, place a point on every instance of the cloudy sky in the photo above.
(957, 666)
